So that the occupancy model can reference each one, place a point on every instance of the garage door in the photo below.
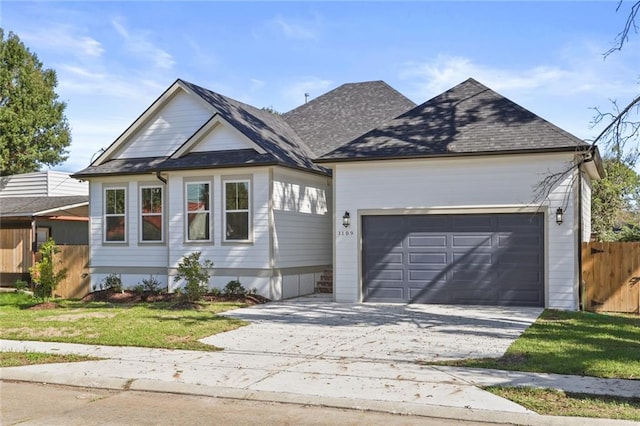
(480, 259)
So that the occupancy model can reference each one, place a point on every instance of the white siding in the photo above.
(116, 255)
(224, 255)
(168, 129)
(41, 184)
(222, 138)
(457, 185)
(302, 219)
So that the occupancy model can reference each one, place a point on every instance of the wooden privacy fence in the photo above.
(76, 260)
(611, 276)
(15, 250)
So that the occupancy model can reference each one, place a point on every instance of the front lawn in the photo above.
(154, 325)
(579, 343)
(557, 403)
(15, 359)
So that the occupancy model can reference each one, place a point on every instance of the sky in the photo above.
(113, 59)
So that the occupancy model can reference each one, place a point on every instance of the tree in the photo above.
(33, 128)
(614, 199)
(622, 133)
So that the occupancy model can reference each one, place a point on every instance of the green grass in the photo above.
(580, 343)
(15, 359)
(154, 325)
(558, 403)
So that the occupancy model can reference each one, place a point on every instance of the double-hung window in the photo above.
(151, 214)
(198, 210)
(115, 219)
(236, 210)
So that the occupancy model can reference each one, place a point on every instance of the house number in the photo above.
(346, 233)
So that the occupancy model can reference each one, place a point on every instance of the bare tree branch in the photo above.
(631, 24)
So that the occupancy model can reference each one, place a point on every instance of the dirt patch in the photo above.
(76, 317)
(44, 305)
(44, 332)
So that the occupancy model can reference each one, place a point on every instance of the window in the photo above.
(198, 211)
(236, 210)
(115, 215)
(151, 213)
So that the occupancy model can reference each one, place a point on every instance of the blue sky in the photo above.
(114, 59)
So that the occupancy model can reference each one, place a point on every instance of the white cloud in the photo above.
(572, 78)
(63, 38)
(256, 84)
(298, 29)
(139, 44)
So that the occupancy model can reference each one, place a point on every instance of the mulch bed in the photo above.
(135, 297)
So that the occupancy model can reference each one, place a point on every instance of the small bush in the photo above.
(138, 289)
(151, 285)
(215, 292)
(195, 273)
(44, 274)
(234, 288)
(21, 286)
(112, 282)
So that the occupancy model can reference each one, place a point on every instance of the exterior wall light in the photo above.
(559, 216)
(346, 219)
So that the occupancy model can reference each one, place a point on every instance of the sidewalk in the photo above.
(396, 387)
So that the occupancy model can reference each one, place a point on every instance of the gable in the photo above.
(215, 136)
(167, 129)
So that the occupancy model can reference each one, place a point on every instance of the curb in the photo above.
(400, 408)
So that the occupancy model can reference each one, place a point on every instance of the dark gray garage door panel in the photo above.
(492, 259)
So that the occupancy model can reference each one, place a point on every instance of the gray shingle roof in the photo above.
(30, 206)
(470, 118)
(194, 160)
(269, 131)
(345, 113)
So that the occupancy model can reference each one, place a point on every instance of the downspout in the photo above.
(165, 222)
(34, 242)
(160, 178)
(580, 228)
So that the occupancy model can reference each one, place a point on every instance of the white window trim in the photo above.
(142, 215)
(105, 215)
(186, 210)
(248, 211)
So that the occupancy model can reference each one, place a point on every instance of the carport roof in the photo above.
(41, 206)
(468, 119)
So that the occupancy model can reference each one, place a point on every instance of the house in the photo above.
(33, 208)
(432, 203)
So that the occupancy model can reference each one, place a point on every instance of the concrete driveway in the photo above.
(316, 327)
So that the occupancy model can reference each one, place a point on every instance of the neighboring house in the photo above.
(439, 198)
(33, 208)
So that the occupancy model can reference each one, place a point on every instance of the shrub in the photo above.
(195, 273)
(234, 288)
(215, 292)
(44, 274)
(21, 286)
(151, 285)
(112, 282)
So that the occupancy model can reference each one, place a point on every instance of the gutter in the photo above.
(455, 154)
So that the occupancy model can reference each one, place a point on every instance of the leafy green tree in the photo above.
(614, 199)
(33, 128)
